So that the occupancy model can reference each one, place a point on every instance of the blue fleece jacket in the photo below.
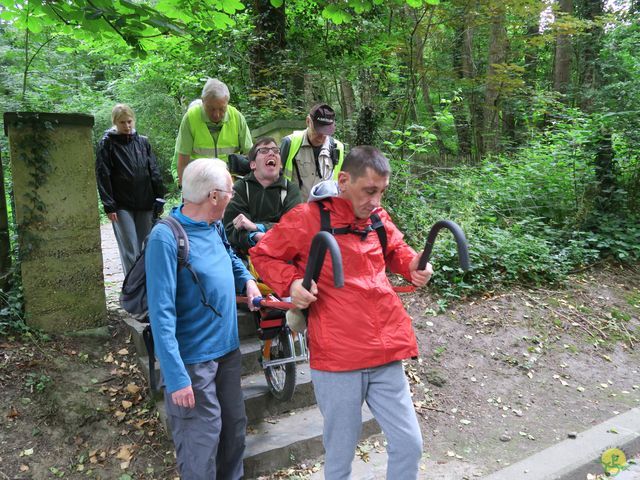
(184, 330)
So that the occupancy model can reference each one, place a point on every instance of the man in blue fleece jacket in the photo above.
(197, 345)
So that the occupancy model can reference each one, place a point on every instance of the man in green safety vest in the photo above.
(211, 128)
(313, 155)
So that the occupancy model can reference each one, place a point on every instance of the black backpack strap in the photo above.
(333, 151)
(183, 257)
(148, 342)
(181, 239)
(325, 222)
(378, 226)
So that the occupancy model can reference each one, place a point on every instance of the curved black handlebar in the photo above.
(458, 235)
(322, 242)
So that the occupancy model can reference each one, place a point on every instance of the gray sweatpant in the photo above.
(210, 438)
(385, 389)
(131, 229)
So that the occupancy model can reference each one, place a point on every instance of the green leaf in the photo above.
(277, 3)
(335, 14)
(414, 3)
(231, 6)
(35, 25)
(433, 2)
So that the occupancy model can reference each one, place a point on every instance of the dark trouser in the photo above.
(209, 439)
(131, 229)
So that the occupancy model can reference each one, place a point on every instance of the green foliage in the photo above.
(12, 311)
(532, 217)
(37, 383)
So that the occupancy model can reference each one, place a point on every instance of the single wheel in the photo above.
(280, 378)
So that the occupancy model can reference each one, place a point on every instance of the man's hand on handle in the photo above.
(113, 217)
(300, 296)
(419, 277)
(252, 292)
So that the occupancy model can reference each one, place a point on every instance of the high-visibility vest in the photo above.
(296, 143)
(204, 145)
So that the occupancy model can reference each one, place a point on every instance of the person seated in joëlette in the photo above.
(260, 197)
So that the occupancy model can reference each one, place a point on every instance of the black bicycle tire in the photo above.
(282, 393)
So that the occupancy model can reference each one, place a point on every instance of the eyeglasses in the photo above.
(230, 192)
(265, 150)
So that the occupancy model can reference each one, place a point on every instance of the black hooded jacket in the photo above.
(127, 172)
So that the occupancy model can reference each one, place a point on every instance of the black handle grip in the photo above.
(322, 242)
(458, 235)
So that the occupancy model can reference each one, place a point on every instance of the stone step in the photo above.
(246, 324)
(279, 442)
(260, 403)
(258, 400)
(246, 329)
(250, 349)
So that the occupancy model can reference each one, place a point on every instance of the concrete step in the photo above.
(260, 403)
(246, 329)
(246, 324)
(577, 457)
(250, 349)
(279, 442)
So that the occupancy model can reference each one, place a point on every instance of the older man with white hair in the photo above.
(196, 335)
(210, 128)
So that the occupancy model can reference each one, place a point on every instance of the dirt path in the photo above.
(506, 376)
(500, 378)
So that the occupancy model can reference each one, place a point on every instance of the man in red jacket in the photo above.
(359, 334)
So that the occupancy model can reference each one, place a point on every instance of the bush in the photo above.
(532, 217)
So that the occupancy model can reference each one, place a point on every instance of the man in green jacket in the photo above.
(211, 128)
(260, 198)
(313, 155)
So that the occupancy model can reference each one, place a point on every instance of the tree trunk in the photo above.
(592, 42)
(367, 127)
(492, 100)
(269, 29)
(470, 73)
(460, 116)
(348, 98)
(418, 40)
(562, 63)
(605, 173)
(531, 55)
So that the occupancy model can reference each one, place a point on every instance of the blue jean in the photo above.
(340, 396)
(210, 438)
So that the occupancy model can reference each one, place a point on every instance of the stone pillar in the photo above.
(278, 129)
(52, 164)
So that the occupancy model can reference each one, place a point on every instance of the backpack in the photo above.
(133, 297)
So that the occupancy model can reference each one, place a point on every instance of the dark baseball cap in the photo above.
(324, 119)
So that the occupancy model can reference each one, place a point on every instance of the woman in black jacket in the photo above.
(129, 181)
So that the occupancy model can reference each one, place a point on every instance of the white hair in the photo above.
(203, 176)
(215, 89)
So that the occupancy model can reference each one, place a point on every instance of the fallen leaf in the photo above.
(123, 351)
(133, 388)
(125, 453)
(13, 412)
(109, 358)
(24, 468)
(26, 453)
(126, 404)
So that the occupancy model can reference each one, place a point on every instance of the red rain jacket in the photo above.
(361, 325)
